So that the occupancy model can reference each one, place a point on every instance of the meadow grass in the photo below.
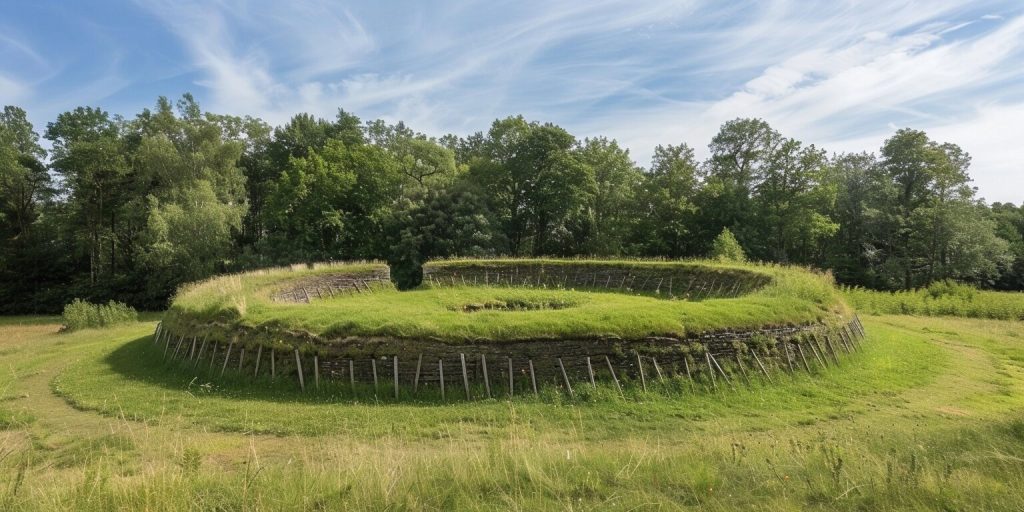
(939, 300)
(793, 296)
(927, 417)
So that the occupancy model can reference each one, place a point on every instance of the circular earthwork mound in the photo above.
(506, 327)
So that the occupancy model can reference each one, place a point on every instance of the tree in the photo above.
(88, 154)
(452, 221)
(611, 213)
(740, 152)
(332, 203)
(24, 182)
(792, 198)
(666, 213)
(857, 189)
(423, 161)
(189, 238)
(1009, 221)
(726, 248)
(189, 183)
(931, 226)
(537, 186)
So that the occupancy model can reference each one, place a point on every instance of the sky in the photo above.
(842, 74)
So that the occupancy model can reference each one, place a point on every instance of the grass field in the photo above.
(928, 417)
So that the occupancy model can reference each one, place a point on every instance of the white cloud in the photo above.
(10, 90)
(646, 72)
(990, 133)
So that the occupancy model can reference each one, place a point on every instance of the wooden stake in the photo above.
(192, 351)
(316, 371)
(533, 378)
(711, 369)
(273, 369)
(227, 356)
(416, 381)
(842, 341)
(156, 333)
(789, 361)
(590, 369)
(661, 378)
(743, 370)
(611, 370)
(465, 375)
(800, 349)
(167, 345)
(352, 375)
(761, 365)
(259, 355)
(241, 358)
(855, 335)
(440, 373)
(213, 358)
(848, 337)
(828, 343)
(373, 365)
(394, 371)
(487, 381)
(565, 376)
(689, 376)
(814, 350)
(178, 347)
(298, 366)
(202, 349)
(724, 376)
(511, 379)
(640, 366)
(860, 325)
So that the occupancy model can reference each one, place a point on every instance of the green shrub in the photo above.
(726, 248)
(950, 288)
(82, 314)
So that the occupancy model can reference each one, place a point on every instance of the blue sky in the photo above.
(841, 74)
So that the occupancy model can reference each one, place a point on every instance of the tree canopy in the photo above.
(130, 208)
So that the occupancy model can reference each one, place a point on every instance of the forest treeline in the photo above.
(129, 208)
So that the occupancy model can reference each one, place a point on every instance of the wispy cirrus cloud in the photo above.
(842, 74)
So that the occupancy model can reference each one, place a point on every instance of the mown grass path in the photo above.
(928, 417)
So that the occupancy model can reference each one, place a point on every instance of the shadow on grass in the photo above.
(141, 361)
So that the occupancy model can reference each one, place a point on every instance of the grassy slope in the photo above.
(928, 417)
(795, 296)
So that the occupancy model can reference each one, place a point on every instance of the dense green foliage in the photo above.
(942, 298)
(725, 247)
(80, 314)
(926, 418)
(456, 314)
(130, 208)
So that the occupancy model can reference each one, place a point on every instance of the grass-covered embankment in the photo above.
(791, 296)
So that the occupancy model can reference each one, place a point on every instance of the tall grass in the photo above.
(943, 298)
(82, 314)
